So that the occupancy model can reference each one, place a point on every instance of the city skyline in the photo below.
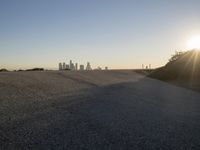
(76, 66)
(115, 33)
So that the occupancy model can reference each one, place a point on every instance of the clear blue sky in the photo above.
(114, 33)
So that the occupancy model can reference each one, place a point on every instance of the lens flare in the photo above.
(194, 43)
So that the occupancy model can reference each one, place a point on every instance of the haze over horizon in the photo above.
(116, 33)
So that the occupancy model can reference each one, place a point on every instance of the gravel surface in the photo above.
(96, 110)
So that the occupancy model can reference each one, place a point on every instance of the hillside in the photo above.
(185, 70)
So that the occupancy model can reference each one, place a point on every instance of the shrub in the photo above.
(3, 70)
(36, 69)
(176, 56)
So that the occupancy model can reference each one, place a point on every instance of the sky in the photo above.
(120, 34)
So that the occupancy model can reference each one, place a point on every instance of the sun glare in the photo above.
(194, 43)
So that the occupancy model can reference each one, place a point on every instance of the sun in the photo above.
(194, 42)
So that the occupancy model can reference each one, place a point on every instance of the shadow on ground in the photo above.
(144, 114)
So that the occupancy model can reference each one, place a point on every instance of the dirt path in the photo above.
(138, 113)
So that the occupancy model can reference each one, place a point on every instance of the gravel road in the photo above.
(96, 110)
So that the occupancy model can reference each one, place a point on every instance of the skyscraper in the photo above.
(67, 67)
(71, 65)
(64, 66)
(149, 66)
(88, 67)
(76, 66)
(81, 67)
(60, 66)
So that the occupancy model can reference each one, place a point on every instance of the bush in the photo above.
(176, 56)
(36, 69)
(3, 70)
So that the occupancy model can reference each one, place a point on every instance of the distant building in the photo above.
(149, 66)
(64, 66)
(106, 68)
(88, 67)
(76, 66)
(99, 68)
(67, 67)
(71, 65)
(81, 67)
(60, 66)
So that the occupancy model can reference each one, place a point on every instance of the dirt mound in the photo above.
(185, 68)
